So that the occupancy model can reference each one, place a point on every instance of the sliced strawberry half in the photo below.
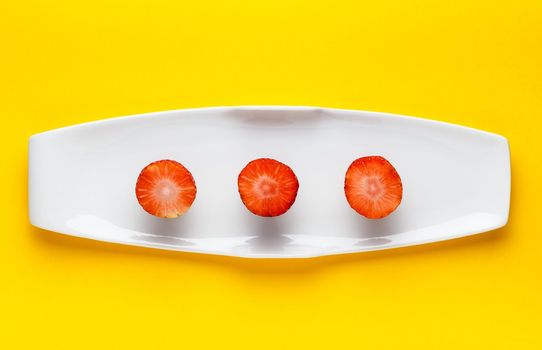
(373, 187)
(267, 187)
(166, 189)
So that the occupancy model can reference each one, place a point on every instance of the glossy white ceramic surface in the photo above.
(456, 180)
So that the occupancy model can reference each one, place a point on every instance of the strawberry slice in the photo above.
(267, 187)
(373, 187)
(166, 189)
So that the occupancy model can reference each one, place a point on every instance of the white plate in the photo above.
(81, 179)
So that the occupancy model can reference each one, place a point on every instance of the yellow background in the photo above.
(475, 63)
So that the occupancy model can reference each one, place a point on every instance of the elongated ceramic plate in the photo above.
(81, 180)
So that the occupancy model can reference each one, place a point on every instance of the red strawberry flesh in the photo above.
(165, 189)
(267, 187)
(373, 187)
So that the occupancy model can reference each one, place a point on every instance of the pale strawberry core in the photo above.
(267, 187)
(373, 187)
(166, 190)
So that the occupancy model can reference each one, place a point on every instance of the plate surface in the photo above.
(81, 179)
